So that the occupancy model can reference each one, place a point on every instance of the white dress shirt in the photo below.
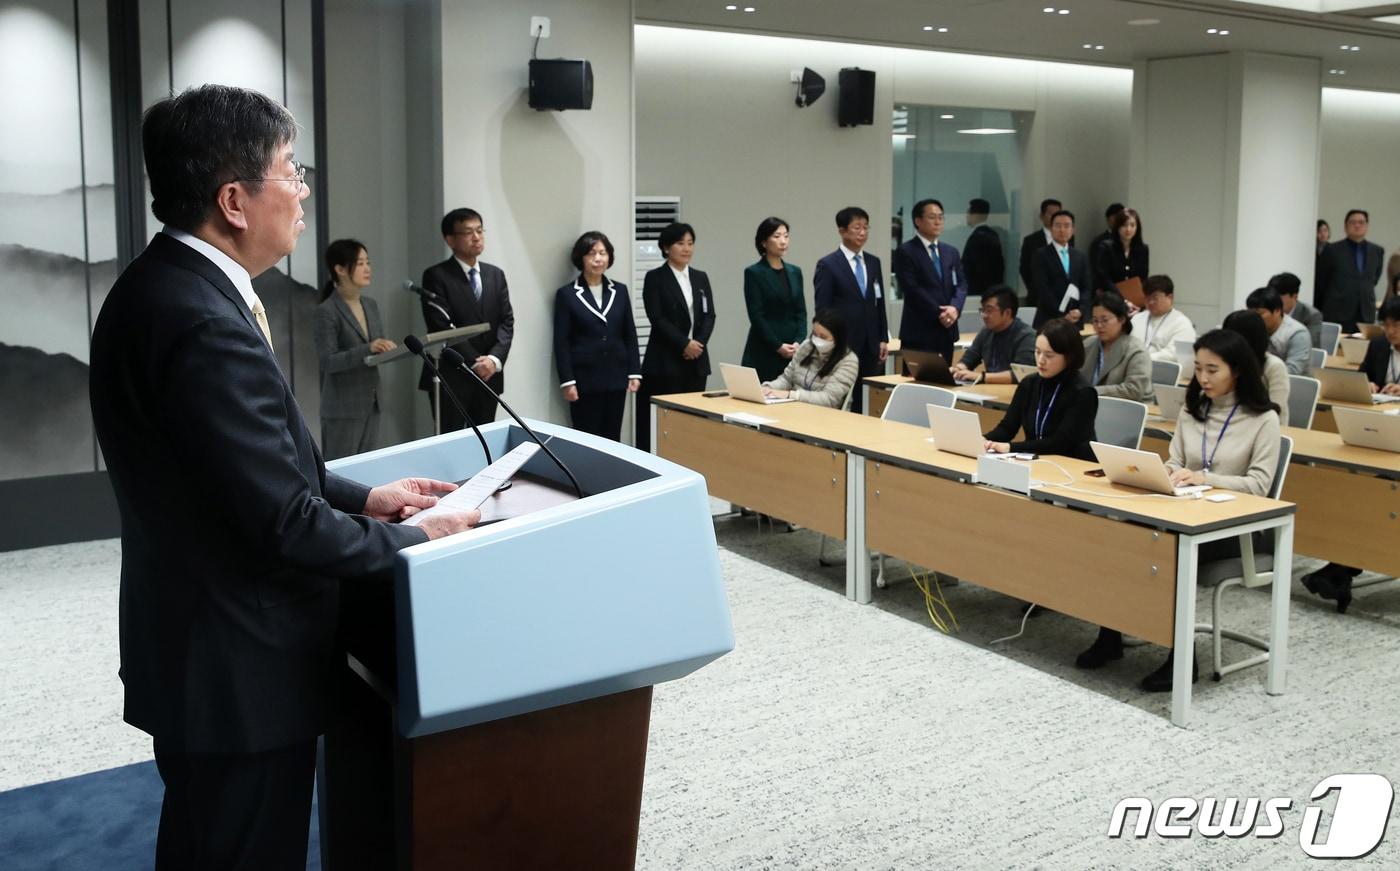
(683, 279)
(242, 281)
(851, 262)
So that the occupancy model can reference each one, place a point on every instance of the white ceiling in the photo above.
(1019, 28)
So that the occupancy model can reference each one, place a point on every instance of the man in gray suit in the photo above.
(1347, 272)
(1287, 285)
(473, 292)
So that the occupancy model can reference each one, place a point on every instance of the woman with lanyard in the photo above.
(1116, 363)
(1056, 406)
(823, 369)
(1227, 436)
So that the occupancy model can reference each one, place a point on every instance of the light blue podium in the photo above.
(498, 710)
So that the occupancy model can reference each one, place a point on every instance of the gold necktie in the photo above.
(260, 315)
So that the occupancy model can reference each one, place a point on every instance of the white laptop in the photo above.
(1186, 356)
(1022, 371)
(1368, 429)
(1170, 399)
(1142, 469)
(1344, 385)
(1353, 350)
(1370, 331)
(742, 383)
(957, 432)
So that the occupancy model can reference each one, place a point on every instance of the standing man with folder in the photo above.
(850, 281)
(1060, 275)
(931, 276)
(473, 292)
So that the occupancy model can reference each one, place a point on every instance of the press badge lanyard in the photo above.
(1098, 366)
(1042, 418)
(1209, 460)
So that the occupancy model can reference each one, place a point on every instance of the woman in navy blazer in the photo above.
(681, 308)
(595, 341)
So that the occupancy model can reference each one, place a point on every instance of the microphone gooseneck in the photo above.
(414, 344)
(452, 358)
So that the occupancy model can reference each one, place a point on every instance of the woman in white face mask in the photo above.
(823, 369)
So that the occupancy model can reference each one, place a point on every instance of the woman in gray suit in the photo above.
(348, 329)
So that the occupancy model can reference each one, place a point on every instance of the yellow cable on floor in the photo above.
(933, 599)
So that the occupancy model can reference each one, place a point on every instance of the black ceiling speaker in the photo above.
(561, 84)
(856, 102)
(810, 88)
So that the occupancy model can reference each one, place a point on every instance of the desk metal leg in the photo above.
(865, 397)
(651, 410)
(857, 554)
(1184, 646)
(1281, 595)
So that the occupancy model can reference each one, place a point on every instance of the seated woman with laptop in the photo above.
(1056, 406)
(823, 369)
(1115, 361)
(1227, 436)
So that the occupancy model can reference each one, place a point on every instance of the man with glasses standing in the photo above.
(472, 292)
(235, 538)
(930, 274)
(1004, 339)
(850, 282)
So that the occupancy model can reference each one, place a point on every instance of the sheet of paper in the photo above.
(484, 483)
(743, 417)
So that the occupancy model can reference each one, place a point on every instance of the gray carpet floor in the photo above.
(842, 736)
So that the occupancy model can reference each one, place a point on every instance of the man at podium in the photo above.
(235, 538)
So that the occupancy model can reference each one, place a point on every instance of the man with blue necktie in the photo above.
(1060, 275)
(1347, 272)
(931, 276)
(850, 281)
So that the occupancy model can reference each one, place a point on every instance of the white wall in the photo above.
(716, 125)
(1360, 136)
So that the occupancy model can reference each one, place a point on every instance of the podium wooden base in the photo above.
(557, 788)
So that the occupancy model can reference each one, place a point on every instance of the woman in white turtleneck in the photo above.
(1227, 436)
(823, 369)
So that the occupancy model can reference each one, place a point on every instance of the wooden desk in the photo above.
(879, 387)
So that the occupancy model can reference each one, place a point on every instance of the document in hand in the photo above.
(477, 490)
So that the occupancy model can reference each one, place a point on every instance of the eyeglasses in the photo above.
(934, 216)
(298, 176)
(1103, 322)
(990, 310)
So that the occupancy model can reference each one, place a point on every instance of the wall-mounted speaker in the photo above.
(856, 102)
(561, 84)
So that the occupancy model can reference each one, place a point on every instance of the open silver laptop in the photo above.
(1170, 400)
(1353, 350)
(1370, 331)
(1344, 385)
(957, 432)
(1022, 371)
(742, 383)
(1186, 356)
(1142, 469)
(1368, 429)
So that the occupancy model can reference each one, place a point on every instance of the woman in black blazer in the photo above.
(1123, 255)
(1055, 408)
(773, 296)
(681, 308)
(348, 329)
(595, 341)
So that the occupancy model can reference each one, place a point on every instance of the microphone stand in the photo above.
(413, 344)
(430, 299)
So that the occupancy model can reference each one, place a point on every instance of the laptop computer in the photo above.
(1344, 385)
(957, 432)
(1022, 371)
(1368, 429)
(1186, 356)
(927, 367)
(1170, 400)
(1370, 331)
(742, 383)
(1353, 350)
(1142, 469)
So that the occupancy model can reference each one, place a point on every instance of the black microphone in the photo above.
(452, 358)
(413, 344)
(409, 286)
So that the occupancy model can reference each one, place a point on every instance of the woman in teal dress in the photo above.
(777, 309)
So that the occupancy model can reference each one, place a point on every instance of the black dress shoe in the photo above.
(1104, 650)
(1160, 681)
(1330, 585)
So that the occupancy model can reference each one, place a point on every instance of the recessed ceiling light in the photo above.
(1211, 30)
(942, 30)
(987, 131)
(1144, 22)
(750, 9)
(1098, 48)
(1224, 33)
(1337, 72)
(731, 8)
(946, 117)
(928, 27)
(1050, 9)
(1088, 45)
(1064, 11)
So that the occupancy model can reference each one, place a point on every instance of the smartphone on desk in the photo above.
(1096, 473)
(712, 394)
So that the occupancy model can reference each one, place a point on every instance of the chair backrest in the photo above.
(909, 403)
(1166, 372)
(1285, 453)
(970, 321)
(1027, 314)
(1331, 334)
(1302, 400)
(1120, 421)
(1317, 358)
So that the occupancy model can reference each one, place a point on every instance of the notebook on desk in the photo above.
(957, 432)
(742, 383)
(1344, 385)
(1367, 429)
(1353, 350)
(1170, 400)
(1142, 469)
(1022, 371)
(1186, 356)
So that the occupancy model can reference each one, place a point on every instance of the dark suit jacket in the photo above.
(233, 536)
(595, 349)
(348, 387)
(834, 286)
(1342, 294)
(449, 281)
(983, 259)
(1050, 281)
(924, 292)
(1032, 243)
(1376, 364)
(777, 315)
(1110, 266)
(671, 322)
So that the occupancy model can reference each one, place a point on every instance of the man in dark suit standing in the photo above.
(931, 276)
(1060, 275)
(982, 256)
(472, 292)
(1347, 272)
(235, 538)
(850, 281)
(1035, 240)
